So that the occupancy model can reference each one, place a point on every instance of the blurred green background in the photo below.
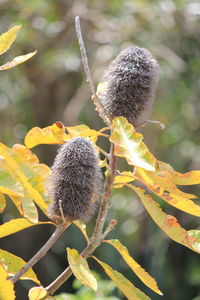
(52, 87)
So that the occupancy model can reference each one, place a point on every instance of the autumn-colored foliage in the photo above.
(23, 179)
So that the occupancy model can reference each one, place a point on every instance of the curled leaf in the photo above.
(128, 144)
(54, 134)
(16, 61)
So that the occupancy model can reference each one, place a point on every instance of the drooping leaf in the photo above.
(128, 144)
(189, 178)
(26, 176)
(80, 269)
(123, 284)
(6, 287)
(13, 264)
(55, 134)
(16, 61)
(164, 182)
(159, 185)
(16, 225)
(37, 293)
(7, 38)
(82, 227)
(123, 178)
(167, 223)
(2, 202)
(136, 268)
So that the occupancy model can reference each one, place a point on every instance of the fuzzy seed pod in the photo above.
(75, 181)
(131, 80)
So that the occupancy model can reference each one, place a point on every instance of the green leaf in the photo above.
(167, 223)
(13, 264)
(6, 287)
(128, 144)
(16, 225)
(136, 268)
(80, 269)
(16, 61)
(7, 38)
(123, 284)
(159, 185)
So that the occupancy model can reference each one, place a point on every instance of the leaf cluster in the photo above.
(24, 179)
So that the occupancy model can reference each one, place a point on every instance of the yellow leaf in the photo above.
(14, 263)
(6, 287)
(159, 185)
(80, 269)
(7, 38)
(54, 134)
(122, 178)
(16, 225)
(37, 293)
(81, 130)
(27, 178)
(82, 227)
(137, 269)
(8, 183)
(16, 61)
(189, 178)
(42, 170)
(2, 202)
(123, 284)
(167, 223)
(128, 144)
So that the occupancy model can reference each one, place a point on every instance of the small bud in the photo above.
(75, 181)
(131, 81)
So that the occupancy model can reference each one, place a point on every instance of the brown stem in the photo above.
(55, 236)
(97, 236)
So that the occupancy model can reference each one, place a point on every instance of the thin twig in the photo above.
(55, 236)
(52, 288)
(84, 57)
(162, 125)
(97, 236)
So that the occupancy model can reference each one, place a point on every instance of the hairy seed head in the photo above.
(131, 80)
(75, 181)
